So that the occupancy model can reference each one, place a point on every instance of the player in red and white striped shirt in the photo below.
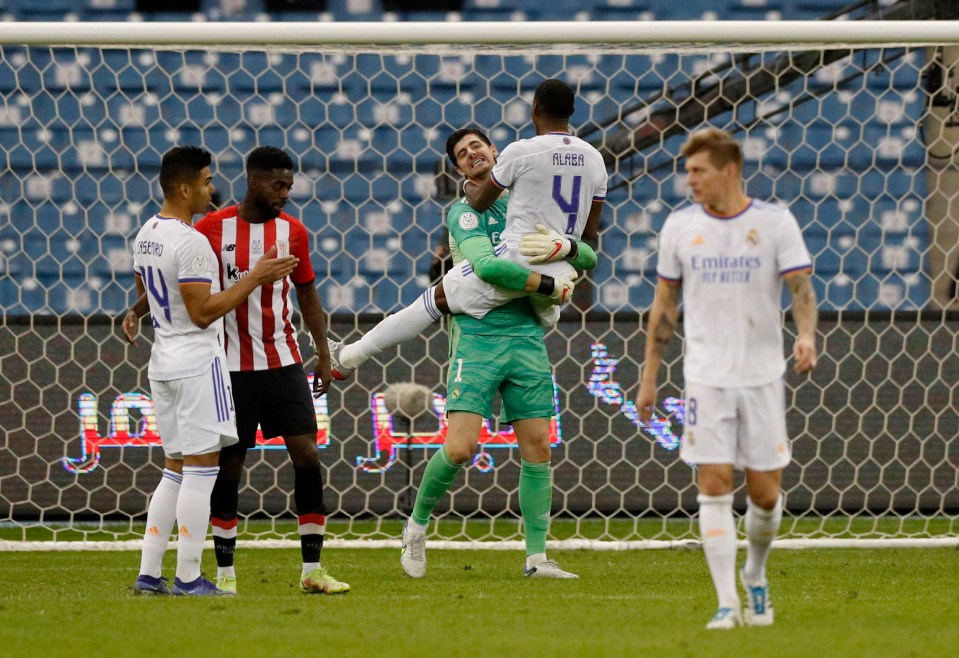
(270, 388)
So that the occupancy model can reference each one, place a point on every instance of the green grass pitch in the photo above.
(839, 602)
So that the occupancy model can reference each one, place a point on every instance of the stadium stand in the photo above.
(366, 130)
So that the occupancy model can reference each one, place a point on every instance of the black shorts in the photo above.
(279, 400)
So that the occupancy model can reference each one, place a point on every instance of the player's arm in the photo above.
(311, 308)
(131, 320)
(548, 246)
(806, 316)
(204, 309)
(482, 196)
(478, 250)
(663, 318)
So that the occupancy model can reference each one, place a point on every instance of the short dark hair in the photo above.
(457, 135)
(182, 164)
(267, 158)
(556, 98)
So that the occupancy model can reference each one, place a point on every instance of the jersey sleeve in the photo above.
(599, 194)
(194, 259)
(464, 223)
(300, 247)
(508, 166)
(791, 252)
(668, 264)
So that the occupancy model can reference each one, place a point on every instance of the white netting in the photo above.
(860, 143)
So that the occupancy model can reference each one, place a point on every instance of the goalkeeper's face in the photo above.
(474, 157)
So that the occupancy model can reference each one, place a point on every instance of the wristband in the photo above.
(573, 249)
(546, 285)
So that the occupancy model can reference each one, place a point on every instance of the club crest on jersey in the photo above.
(753, 236)
(468, 221)
(199, 265)
(256, 245)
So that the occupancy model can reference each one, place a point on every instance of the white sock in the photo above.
(718, 530)
(416, 528)
(534, 559)
(161, 515)
(392, 330)
(226, 572)
(308, 567)
(761, 528)
(193, 519)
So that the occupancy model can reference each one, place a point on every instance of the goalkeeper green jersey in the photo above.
(514, 318)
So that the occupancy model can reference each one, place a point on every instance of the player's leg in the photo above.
(710, 442)
(207, 424)
(311, 515)
(393, 330)
(193, 518)
(766, 452)
(471, 383)
(246, 390)
(717, 528)
(288, 410)
(462, 435)
(764, 514)
(224, 511)
(161, 513)
(528, 403)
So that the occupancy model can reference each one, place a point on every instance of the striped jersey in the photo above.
(259, 332)
(166, 254)
(731, 270)
(553, 180)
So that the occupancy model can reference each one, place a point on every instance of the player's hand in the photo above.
(270, 268)
(129, 327)
(804, 353)
(322, 374)
(645, 401)
(563, 288)
(545, 246)
(470, 191)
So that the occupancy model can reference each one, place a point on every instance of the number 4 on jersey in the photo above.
(571, 207)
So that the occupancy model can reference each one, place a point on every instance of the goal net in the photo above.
(855, 130)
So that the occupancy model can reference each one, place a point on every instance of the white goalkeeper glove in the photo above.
(546, 246)
(562, 288)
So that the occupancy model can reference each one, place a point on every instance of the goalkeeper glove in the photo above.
(547, 246)
(559, 288)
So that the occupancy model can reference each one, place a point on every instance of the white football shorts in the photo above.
(195, 415)
(467, 293)
(745, 426)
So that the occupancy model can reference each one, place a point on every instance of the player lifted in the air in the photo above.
(557, 187)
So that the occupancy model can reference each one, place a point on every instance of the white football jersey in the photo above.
(731, 271)
(166, 253)
(553, 180)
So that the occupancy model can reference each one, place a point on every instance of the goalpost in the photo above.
(853, 124)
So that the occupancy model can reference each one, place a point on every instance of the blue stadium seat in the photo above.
(29, 149)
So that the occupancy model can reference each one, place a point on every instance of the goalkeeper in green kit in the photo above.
(501, 349)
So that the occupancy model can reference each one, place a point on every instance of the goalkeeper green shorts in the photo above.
(516, 367)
